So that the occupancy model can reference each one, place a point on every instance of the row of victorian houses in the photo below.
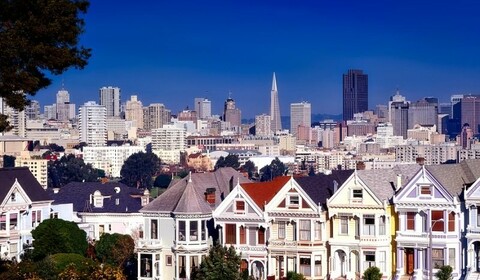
(407, 221)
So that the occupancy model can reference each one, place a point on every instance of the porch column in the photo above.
(417, 271)
(399, 264)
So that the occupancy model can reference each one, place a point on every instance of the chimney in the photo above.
(210, 195)
(399, 182)
(360, 165)
(420, 161)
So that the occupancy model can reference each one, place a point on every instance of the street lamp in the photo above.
(430, 273)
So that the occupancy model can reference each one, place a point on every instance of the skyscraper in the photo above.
(355, 93)
(203, 107)
(300, 114)
(232, 114)
(110, 98)
(263, 125)
(423, 112)
(63, 106)
(134, 111)
(92, 124)
(398, 114)
(470, 108)
(275, 107)
(155, 116)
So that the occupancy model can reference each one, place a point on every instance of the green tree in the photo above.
(139, 169)
(221, 263)
(444, 273)
(70, 169)
(38, 39)
(250, 168)
(292, 275)
(372, 273)
(54, 236)
(311, 171)
(162, 181)
(228, 161)
(274, 169)
(114, 249)
(9, 161)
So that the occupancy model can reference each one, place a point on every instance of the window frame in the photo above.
(343, 225)
(237, 209)
(281, 228)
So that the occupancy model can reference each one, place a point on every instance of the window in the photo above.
(369, 225)
(382, 261)
(13, 221)
(436, 224)
(3, 222)
(425, 190)
(451, 257)
(305, 230)
(230, 234)
(281, 230)
(154, 229)
(194, 263)
(451, 221)
(193, 230)
(240, 206)
(54, 215)
(318, 265)
(182, 234)
(146, 265)
(318, 231)
(101, 229)
(261, 236)
(293, 201)
(478, 216)
(168, 260)
(369, 259)
(357, 194)
(305, 265)
(343, 225)
(204, 230)
(182, 266)
(36, 218)
(381, 225)
(437, 257)
(410, 220)
(243, 235)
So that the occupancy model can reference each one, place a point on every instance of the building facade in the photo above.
(355, 93)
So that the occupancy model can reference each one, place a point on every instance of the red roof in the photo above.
(263, 192)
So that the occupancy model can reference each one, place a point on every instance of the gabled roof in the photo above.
(191, 201)
(222, 180)
(454, 177)
(79, 195)
(320, 186)
(262, 192)
(25, 178)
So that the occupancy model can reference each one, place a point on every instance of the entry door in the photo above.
(410, 261)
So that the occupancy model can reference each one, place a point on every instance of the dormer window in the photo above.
(239, 207)
(97, 199)
(293, 201)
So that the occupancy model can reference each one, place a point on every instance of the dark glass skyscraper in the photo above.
(355, 93)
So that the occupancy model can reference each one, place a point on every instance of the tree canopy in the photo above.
(38, 39)
(444, 273)
(372, 273)
(54, 236)
(114, 249)
(250, 168)
(139, 169)
(228, 161)
(70, 169)
(274, 169)
(221, 263)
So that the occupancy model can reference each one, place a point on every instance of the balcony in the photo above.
(250, 248)
(283, 243)
(374, 239)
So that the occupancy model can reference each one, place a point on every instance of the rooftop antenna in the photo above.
(63, 83)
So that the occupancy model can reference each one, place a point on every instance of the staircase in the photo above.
(406, 277)
(473, 276)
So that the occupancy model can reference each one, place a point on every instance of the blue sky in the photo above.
(173, 51)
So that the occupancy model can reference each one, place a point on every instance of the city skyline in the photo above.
(425, 49)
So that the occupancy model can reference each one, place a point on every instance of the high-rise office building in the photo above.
(155, 116)
(232, 114)
(423, 112)
(398, 114)
(32, 110)
(134, 111)
(355, 93)
(275, 107)
(300, 114)
(110, 98)
(16, 118)
(470, 107)
(63, 106)
(263, 125)
(203, 107)
(92, 124)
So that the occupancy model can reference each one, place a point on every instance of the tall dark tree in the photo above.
(250, 168)
(228, 161)
(54, 236)
(274, 169)
(70, 169)
(162, 181)
(139, 169)
(115, 249)
(221, 263)
(38, 39)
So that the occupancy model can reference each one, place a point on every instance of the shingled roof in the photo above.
(25, 178)
(175, 198)
(129, 199)
(320, 186)
(262, 192)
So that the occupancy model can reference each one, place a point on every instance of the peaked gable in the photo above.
(291, 197)
(263, 192)
(238, 205)
(354, 191)
(27, 182)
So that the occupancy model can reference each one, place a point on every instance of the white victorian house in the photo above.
(24, 205)
(178, 225)
(430, 221)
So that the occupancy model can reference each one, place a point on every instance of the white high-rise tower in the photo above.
(110, 98)
(275, 107)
